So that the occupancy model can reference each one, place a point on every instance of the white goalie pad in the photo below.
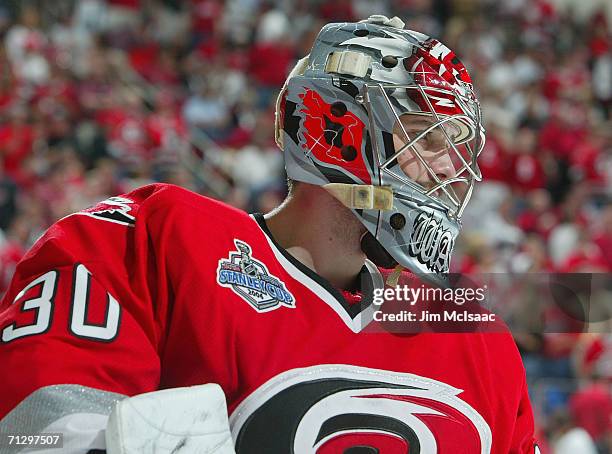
(181, 420)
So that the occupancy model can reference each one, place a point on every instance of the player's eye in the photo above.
(436, 140)
(433, 140)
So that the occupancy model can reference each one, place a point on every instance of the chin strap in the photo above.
(362, 197)
(381, 258)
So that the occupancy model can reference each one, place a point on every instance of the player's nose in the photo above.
(442, 166)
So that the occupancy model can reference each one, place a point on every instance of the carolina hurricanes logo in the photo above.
(114, 209)
(331, 409)
(438, 70)
(333, 134)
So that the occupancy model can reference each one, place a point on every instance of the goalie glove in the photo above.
(183, 420)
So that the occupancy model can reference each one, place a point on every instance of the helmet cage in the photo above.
(464, 148)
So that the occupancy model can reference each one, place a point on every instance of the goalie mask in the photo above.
(387, 121)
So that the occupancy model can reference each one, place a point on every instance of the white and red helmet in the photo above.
(357, 116)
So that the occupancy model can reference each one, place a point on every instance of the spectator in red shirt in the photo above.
(599, 42)
(16, 141)
(586, 256)
(495, 163)
(128, 136)
(539, 217)
(95, 91)
(564, 131)
(584, 158)
(273, 54)
(338, 10)
(603, 235)
(205, 18)
(167, 131)
(143, 52)
(591, 406)
(269, 62)
(13, 249)
(527, 169)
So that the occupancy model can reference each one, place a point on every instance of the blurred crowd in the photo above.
(100, 96)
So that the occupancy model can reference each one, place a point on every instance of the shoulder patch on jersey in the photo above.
(114, 209)
(250, 279)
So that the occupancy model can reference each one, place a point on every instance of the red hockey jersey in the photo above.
(164, 288)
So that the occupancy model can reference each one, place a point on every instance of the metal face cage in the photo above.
(462, 134)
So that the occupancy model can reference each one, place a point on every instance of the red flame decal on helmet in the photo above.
(333, 135)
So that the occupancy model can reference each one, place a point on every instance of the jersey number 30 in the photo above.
(78, 326)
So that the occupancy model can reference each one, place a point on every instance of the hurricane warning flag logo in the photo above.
(118, 210)
(250, 279)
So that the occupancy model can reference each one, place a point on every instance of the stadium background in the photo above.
(98, 97)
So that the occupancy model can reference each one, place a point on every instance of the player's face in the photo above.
(433, 148)
(431, 159)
